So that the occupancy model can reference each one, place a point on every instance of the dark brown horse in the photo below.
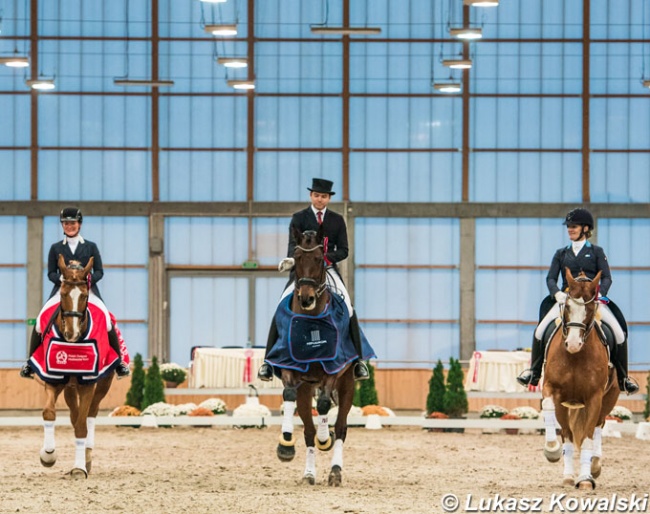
(579, 384)
(82, 399)
(310, 297)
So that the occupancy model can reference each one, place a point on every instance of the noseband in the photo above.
(576, 324)
(75, 314)
(318, 285)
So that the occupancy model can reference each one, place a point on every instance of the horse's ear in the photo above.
(61, 263)
(320, 234)
(89, 266)
(297, 234)
(569, 276)
(596, 279)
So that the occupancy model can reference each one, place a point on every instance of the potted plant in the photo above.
(622, 413)
(366, 392)
(154, 391)
(135, 393)
(436, 396)
(526, 412)
(510, 416)
(492, 412)
(172, 374)
(455, 398)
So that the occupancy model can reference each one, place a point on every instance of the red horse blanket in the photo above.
(89, 359)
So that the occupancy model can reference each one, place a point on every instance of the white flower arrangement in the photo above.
(249, 410)
(172, 372)
(622, 413)
(160, 409)
(216, 405)
(525, 412)
(493, 411)
(184, 409)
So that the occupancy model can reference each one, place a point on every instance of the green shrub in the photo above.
(154, 389)
(365, 391)
(435, 398)
(136, 392)
(455, 399)
(646, 411)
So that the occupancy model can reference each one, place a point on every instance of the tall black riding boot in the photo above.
(620, 361)
(27, 371)
(531, 376)
(265, 372)
(122, 369)
(360, 369)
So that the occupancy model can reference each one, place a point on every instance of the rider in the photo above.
(74, 247)
(337, 250)
(579, 256)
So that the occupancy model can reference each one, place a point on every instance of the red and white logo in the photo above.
(61, 357)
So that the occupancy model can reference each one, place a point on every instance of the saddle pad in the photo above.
(72, 358)
(312, 339)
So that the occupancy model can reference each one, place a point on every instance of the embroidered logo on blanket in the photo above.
(312, 339)
(72, 358)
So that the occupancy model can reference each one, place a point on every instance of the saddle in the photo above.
(605, 334)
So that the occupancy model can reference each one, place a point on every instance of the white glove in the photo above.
(286, 264)
(560, 297)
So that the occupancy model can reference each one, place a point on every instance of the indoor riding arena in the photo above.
(327, 256)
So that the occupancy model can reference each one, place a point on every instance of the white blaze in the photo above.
(577, 314)
(75, 294)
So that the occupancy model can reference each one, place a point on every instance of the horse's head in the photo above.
(310, 267)
(73, 321)
(579, 310)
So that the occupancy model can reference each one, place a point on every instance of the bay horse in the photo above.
(71, 321)
(580, 386)
(311, 297)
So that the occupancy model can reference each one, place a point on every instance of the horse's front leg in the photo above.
(48, 451)
(552, 446)
(305, 395)
(81, 407)
(286, 450)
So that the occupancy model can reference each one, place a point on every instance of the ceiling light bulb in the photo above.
(221, 30)
(458, 64)
(15, 61)
(466, 33)
(447, 87)
(41, 84)
(242, 84)
(233, 62)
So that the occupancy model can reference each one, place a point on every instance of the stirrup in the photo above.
(360, 371)
(265, 372)
(122, 370)
(629, 386)
(528, 378)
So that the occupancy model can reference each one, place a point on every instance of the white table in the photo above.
(496, 371)
(227, 368)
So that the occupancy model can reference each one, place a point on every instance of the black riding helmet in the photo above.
(579, 216)
(71, 214)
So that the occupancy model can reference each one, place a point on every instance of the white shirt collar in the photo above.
(73, 240)
(576, 246)
(315, 210)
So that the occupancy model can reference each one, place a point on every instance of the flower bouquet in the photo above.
(250, 410)
(184, 409)
(622, 413)
(492, 412)
(172, 374)
(215, 405)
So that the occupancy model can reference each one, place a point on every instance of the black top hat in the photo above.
(320, 185)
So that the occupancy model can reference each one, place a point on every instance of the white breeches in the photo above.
(605, 315)
(335, 285)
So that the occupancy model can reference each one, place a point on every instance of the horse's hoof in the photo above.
(78, 473)
(568, 482)
(325, 446)
(596, 467)
(286, 453)
(585, 483)
(335, 477)
(553, 452)
(48, 458)
(309, 479)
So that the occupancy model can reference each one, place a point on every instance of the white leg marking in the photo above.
(337, 456)
(287, 418)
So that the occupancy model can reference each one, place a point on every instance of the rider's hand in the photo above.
(560, 297)
(286, 264)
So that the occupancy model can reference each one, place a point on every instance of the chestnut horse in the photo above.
(311, 296)
(83, 400)
(579, 384)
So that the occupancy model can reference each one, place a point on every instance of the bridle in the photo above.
(74, 314)
(318, 285)
(576, 324)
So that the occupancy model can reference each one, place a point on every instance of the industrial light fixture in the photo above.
(482, 3)
(221, 30)
(447, 87)
(233, 62)
(41, 84)
(15, 61)
(458, 64)
(466, 33)
(345, 31)
(242, 84)
(143, 83)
